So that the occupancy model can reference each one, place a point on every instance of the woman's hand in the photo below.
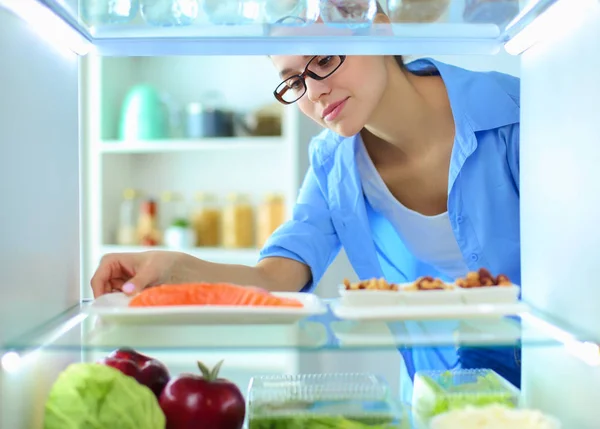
(133, 272)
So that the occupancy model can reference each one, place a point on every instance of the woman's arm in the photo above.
(294, 257)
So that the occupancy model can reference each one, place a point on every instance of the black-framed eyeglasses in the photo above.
(319, 67)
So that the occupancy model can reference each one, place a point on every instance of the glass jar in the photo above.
(271, 214)
(417, 10)
(238, 222)
(291, 12)
(232, 12)
(498, 12)
(103, 12)
(354, 14)
(206, 220)
(169, 13)
(128, 215)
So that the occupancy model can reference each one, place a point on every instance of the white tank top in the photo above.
(429, 238)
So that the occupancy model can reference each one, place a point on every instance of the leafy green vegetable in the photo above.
(433, 398)
(95, 396)
(181, 223)
(321, 422)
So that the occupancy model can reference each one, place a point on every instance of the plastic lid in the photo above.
(169, 196)
(274, 197)
(236, 197)
(207, 197)
(130, 193)
(194, 108)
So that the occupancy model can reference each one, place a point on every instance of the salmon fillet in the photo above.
(209, 294)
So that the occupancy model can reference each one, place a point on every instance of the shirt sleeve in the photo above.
(513, 154)
(309, 237)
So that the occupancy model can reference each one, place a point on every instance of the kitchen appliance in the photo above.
(42, 327)
(144, 115)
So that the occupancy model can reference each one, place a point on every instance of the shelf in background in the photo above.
(189, 145)
(212, 254)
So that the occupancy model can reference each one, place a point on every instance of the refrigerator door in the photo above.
(560, 206)
(39, 184)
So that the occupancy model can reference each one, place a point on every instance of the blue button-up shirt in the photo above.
(483, 198)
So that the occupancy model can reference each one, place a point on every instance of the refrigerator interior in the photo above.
(42, 179)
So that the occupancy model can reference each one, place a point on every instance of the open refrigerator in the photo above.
(45, 47)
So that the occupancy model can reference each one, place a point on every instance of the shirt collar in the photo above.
(480, 98)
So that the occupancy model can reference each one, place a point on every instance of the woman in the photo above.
(417, 173)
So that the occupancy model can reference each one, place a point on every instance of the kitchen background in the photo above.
(193, 154)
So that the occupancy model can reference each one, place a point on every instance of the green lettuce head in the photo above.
(90, 395)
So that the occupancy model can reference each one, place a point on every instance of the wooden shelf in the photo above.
(189, 145)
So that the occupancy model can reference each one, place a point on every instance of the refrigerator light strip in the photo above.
(49, 26)
(585, 351)
(557, 21)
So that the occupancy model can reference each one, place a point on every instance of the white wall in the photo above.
(560, 203)
(39, 184)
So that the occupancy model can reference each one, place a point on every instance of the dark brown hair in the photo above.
(380, 10)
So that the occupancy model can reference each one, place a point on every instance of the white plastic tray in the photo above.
(425, 312)
(114, 308)
(456, 296)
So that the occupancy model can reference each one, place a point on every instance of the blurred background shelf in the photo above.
(218, 144)
(244, 256)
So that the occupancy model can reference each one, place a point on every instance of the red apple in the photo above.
(192, 401)
(146, 370)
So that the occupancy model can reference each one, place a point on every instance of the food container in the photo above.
(323, 400)
(405, 295)
(238, 223)
(494, 417)
(206, 220)
(429, 297)
(417, 10)
(436, 392)
(369, 297)
(489, 294)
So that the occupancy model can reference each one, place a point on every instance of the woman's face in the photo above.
(355, 88)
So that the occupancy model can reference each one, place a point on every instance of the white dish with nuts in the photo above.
(481, 287)
(478, 287)
(378, 292)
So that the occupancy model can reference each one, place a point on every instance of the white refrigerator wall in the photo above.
(39, 178)
(39, 183)
(560, 207)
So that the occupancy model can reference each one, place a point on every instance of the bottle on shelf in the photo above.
(172, 208)
(148, 233)
(271, 214)
(128, 216)
(206, 220)
(238, 222)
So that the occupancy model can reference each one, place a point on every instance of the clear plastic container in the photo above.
(168, 13)
(436, 392)
(322, 400)
(232, 12)
(291, 12)
(103, 12)
(354, 14)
